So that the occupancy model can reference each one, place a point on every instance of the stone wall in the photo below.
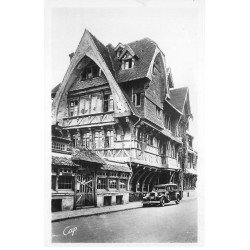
(100, 198)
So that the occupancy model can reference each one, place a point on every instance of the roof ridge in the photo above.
(145, 38)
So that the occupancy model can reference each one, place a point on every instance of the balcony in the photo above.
(90, 120)
(169, 162)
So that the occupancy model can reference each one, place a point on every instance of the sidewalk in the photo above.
(64, 215)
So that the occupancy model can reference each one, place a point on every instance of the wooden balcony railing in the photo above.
(90, 119)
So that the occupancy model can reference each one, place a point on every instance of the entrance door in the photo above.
(85, 191)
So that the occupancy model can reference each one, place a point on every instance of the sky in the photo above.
(176, 28)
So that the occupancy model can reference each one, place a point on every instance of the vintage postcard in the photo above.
(124, 79)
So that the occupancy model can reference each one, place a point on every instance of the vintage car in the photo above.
(162, 194)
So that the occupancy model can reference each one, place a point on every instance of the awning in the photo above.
(116, 166)
(63, 161)
(87, 156)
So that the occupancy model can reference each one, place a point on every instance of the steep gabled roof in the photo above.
(54, 90)
(104, 52)
(178, 97)
(144, 49)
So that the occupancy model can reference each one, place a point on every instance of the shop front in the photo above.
(62, 184)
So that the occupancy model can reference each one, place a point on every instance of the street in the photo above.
(170, 224)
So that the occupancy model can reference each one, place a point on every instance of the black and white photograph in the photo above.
(124, 81)
(124, 124)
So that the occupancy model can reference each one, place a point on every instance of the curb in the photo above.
(98, 213)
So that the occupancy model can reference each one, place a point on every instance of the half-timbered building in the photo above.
(118, 126)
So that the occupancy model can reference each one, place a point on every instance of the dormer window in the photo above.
(137, 99)
(119, 52)
(127, 64)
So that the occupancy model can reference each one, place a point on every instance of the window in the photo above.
(124, 175)
(123, 184)
(96, 103)
(58, 146)
(90, 72)
(53, 182)
(112, 184)
(137, 99)
(75, 139)
(108, 103)
(127, 64)
(65, 182)
(85, 140)
(98, 139)
(101, 183)
(109, 139)
(173, 152)
(84, 107)
(158, 112)
(113, 174)
(73, 108)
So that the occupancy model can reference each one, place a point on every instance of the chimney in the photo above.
(71, 55)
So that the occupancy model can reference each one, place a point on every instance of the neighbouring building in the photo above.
(118, 126)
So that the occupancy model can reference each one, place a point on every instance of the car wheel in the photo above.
(162, 201)
(177, 200)
(145, 205)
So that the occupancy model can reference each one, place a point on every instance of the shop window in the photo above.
(137, 99)
(123, 184)
(112, 184)
(109, 138)
(108, 103)
(101, 183)
(119, 199)
(73, 108)
(65, 182)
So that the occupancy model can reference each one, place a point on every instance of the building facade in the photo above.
(118, 126)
